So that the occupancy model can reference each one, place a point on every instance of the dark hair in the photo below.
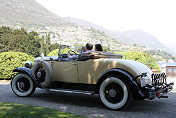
(89, 46)
(83, 49)
(98, 47)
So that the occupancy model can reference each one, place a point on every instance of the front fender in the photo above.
(23, 70)
(29, 73)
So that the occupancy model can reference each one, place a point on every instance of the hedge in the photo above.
(55, 52)
(10, 61)
(141, 57)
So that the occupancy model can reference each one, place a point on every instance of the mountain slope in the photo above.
(85, 23)
(138, 37)
(32, 16)
(142, 38)
(27, 13)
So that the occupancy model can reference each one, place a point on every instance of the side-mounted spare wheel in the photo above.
(22, 85)
(43, 72)
(115, 93)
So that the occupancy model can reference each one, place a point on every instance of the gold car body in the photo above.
(90, 70)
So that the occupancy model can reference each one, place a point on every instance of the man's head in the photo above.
(89, 46)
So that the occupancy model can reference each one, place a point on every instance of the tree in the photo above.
(54, 46)
(48, 43)
(141, 57)
(43, 46)
(19, 40)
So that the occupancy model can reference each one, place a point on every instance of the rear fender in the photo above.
(29, 73)
(130, 79)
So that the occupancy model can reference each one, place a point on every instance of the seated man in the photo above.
(88, 49)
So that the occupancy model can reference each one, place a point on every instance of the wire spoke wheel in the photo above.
(114, 93)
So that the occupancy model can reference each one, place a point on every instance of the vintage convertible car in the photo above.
(116, 80)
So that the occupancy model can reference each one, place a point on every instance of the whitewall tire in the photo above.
(22, 85)
(114, 93)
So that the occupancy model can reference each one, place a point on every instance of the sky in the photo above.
(157, 17)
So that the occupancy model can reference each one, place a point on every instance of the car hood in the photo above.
(46, 58)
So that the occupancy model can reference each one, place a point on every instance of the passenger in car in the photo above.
(83, 49)
(98, 47)
(86, 49)
(89, 47)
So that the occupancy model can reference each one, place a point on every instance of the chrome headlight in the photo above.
(146, 80)
(28, 64)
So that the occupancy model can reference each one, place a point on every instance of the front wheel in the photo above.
(22, 85)
(115, 93)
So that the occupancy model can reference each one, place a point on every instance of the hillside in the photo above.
(142, 38)
(32, 16)
(27, 13)
(136, 37)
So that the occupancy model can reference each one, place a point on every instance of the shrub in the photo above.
(10, 61)
(55, 52)
(141, 57)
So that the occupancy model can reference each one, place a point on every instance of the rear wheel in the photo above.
(22, 85)
(115, 93)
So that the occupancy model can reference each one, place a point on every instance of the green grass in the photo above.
(11, 110)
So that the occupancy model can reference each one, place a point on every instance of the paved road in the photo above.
(91, 106)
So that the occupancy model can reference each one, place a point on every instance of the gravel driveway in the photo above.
(91, 106)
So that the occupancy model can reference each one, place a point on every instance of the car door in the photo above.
(66, 71)
(89, 71)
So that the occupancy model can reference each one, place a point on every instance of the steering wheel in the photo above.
(71, 51)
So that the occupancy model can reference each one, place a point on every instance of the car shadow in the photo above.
(68, 98)
(93, 101)
(91, 106)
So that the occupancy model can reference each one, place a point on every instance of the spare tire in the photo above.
(43, 72)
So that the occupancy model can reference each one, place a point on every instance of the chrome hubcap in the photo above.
(21, 85)
(39, 74)
(112, 93)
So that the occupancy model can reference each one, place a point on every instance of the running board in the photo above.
(73, 91)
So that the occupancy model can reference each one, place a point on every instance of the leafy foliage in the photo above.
(55, 52)
(48, 43)
(160, 55)
(42, 45)
(12, 60)
(19, 40)
(141, 57)
(106, 48)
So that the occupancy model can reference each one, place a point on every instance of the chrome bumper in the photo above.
(160, 92)
(159, 87)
